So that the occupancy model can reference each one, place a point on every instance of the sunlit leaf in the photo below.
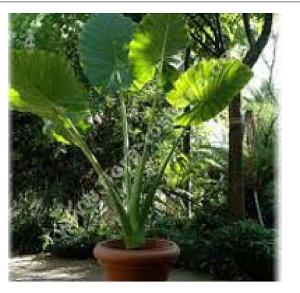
(208, 87)
(157, 38)
(43, 83)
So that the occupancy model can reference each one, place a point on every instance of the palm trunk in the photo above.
(236, 198)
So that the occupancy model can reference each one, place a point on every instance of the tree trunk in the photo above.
(236, 200)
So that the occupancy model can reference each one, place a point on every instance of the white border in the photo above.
(157, 7)
(289, 147)
(150, 1)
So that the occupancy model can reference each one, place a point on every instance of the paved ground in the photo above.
(43, 267)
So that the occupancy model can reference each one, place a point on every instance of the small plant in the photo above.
(119, 59)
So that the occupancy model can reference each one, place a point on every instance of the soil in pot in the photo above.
(152, 262)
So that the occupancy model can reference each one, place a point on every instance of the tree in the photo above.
(236, 200)
(215, 35)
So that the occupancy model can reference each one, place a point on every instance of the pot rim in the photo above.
(110, 250)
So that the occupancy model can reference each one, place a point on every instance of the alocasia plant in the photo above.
(118, 55)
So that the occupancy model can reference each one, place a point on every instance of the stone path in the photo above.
(44, 267)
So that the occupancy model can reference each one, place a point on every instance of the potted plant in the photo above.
(120, 58)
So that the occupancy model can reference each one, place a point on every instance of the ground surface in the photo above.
(43, 267)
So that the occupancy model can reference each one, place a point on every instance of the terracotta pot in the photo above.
(149, 263)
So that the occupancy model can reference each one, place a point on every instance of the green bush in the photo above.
(27, 230)
(192, 243)
(27, 236)
(247, 247)
(78, 245)
(75, 232)
(243, 250)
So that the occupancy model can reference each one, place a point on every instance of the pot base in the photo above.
(149, 263)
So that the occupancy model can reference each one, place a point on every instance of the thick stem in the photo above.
(135, 239)
(103, 178)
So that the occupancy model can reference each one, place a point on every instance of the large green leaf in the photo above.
(104, 48)
(208, 88)
(157, 38)
(44, 84)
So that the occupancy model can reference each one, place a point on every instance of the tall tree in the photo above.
(236, 200)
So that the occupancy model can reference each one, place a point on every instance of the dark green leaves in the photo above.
(104, 48)
(208, 88)
(157, 38)
(104, 51)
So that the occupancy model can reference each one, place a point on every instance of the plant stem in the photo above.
(103, 177)
(135, 239)
(136, 190)
(150, 196)
(125, 147)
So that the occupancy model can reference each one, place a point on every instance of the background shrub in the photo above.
(246, 246)
(78, 245)
(27, 226)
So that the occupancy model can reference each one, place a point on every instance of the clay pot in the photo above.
(149, 263)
